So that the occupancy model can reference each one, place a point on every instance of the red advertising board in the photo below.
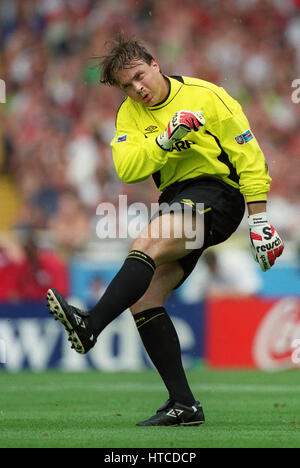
(253, 333)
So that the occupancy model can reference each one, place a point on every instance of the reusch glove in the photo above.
(181, 123)
(265, 243)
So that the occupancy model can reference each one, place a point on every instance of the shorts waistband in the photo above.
(175, 185)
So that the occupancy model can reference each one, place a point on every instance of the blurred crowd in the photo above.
(59, 121)
(28, 271)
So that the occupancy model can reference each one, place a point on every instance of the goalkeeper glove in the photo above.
(181, 123)
(265, 243)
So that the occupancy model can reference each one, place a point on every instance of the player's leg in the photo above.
(158, 333)
(165, 279)
(149, 251)
(127, 287)
(161, 342)
(166, 238)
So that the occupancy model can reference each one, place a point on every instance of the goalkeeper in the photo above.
(196, 143)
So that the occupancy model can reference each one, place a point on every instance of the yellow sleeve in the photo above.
(135, 157)
(236, 139)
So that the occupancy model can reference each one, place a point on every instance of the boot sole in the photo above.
(57, 311)
(192, 423)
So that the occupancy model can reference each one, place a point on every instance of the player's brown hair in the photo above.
(122, 53)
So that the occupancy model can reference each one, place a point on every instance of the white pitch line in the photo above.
(142, 387)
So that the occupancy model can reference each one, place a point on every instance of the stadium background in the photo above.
(56, 168)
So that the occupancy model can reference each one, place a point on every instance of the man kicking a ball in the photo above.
(196, 143)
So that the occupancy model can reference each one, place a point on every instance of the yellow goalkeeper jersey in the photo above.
(225, 148)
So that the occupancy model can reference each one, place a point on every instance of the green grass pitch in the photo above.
(96, 409)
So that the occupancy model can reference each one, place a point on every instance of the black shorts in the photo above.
(225, 205)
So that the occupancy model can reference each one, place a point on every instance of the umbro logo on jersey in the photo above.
(174, 413)
(150, 129)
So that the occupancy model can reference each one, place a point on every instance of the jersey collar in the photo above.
(174, 87)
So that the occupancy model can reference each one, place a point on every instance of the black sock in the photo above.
(162, 345)
(127, 287)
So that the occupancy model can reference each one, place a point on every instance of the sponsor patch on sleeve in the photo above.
(244, 137)
(122, 138)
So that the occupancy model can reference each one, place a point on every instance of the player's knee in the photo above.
(141, 306)
(151, 247)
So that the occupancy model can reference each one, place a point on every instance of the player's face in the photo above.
(143, 83)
